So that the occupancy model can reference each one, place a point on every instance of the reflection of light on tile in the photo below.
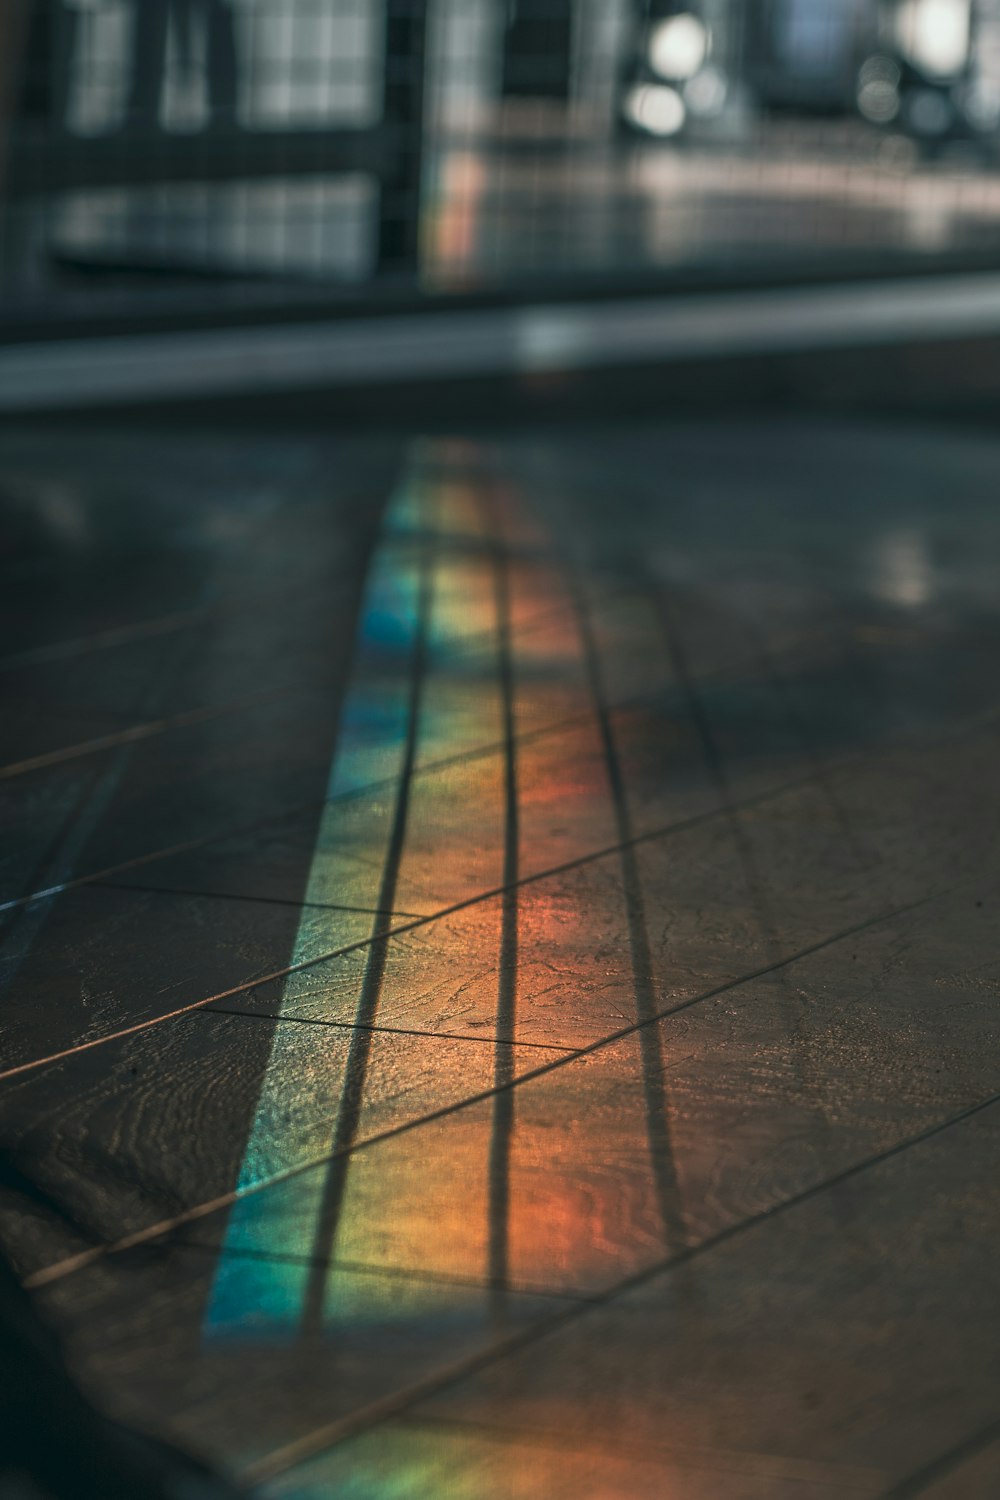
(458, 710)
(257, 1299)
(902, 568)
(424, 1209)
(424, 1459)
(371, 746)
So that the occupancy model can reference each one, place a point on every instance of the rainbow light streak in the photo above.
(371, 747)
(414, 1462)
(468, 640)
(429, 593)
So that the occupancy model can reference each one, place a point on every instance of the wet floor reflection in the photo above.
(587, 865)
(649, 898)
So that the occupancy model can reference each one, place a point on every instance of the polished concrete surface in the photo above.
(500, 953)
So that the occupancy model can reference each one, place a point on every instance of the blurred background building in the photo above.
(452, 144)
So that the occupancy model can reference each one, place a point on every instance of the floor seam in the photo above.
(323, 1439)
(173, 890)
(488, 1039)
(651, 836)
(71, 1264)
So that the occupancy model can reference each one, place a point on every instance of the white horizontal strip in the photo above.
(375, 351)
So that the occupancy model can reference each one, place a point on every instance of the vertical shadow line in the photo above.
(655, 1101)
(714, 764)
(503, 1067)
(359, 1050)
(792, 1000)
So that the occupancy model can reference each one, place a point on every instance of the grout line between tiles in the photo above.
(860, 1481)
(487, 1039)
(321, 1439)
(465, 904)
(918, 1481)
(366, 1268)
(631, 704)
(136, 732)
(73, 1263)
(172, 890)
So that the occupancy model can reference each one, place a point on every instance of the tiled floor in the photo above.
(499, 953)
